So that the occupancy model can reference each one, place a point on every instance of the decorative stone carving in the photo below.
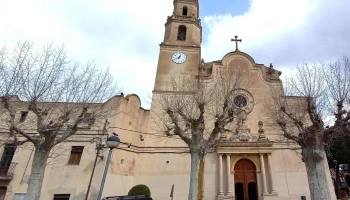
(272, 73)
(254, 139)
(234, 138)
(261, 131)
(223, 136)
(242, 118)
(202, 67)
(270, 70)
(244, 135)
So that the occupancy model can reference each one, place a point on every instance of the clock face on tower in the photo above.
(179, 57)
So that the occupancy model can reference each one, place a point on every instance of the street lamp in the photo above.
(99, 147)
(112, 142)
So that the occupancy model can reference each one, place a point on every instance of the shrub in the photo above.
(139, 190)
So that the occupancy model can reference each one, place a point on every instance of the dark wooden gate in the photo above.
(245, 180)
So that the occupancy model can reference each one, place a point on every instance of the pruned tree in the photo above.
(198, 110)
(58, 98)
(314, 94)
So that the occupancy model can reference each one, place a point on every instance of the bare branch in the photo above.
(177, 129)
(297, 122)
(287, 134)
(198, 110)
(12, 112)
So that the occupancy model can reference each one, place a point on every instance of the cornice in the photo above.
(176, 150)
(184, 20)
(172, 92)
(195, 2)
(164, 46)
(244, 147)
(245, 144)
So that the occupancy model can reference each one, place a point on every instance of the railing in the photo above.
(6, 173)
(184, 17)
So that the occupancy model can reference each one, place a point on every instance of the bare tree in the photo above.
(198, 110)
(56, 97)
(314, 94)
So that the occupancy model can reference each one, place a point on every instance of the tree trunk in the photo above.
(314, 160)
(337, 181)
(37, 174)
(196, 159)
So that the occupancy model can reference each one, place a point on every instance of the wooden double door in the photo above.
(245, 180)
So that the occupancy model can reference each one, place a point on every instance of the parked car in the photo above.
(139, 197)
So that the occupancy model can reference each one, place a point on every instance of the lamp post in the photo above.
(112, 142)
(99, 147)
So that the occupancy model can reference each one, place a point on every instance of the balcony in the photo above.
(6, 172)
(184, 18)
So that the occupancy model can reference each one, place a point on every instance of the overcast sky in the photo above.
(125, 35)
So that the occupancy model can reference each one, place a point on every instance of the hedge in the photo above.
(139, 190)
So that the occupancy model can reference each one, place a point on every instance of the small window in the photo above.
(182, 33)
(23, 116)
(75, 155)
(184, 11)
(61, 197)
(20, 196)
(87, 117)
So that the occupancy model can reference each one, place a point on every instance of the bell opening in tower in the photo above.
(181, 35)
(184, 11)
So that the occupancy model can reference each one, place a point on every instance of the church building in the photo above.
(251, 162)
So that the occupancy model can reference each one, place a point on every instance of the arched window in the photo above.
(181, 35)
(184, 11)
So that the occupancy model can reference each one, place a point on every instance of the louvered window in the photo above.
(75, 155)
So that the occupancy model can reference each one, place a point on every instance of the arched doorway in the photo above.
(245, 180)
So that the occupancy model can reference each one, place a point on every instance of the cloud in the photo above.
(121, 35)
(124, 35)
(285, 32)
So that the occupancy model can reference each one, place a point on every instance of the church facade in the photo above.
(251, 162)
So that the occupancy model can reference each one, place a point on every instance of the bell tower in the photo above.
(181, 47)
(183, 27)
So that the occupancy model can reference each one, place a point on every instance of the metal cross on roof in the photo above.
(236, 40)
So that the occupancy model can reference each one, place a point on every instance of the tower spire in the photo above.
(183, 27)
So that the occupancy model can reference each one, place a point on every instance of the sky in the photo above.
(125, 35)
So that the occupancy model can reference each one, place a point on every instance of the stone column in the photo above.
(233, 183)
(221, 190)
(228, 171)
(269, 163)
(263, 176)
